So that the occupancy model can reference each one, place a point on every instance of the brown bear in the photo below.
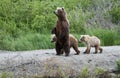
(62, 32)
(73, 42)
(91, 41)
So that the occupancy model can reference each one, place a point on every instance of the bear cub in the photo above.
(72, 41)
(91, 41)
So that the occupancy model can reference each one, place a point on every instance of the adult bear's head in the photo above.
(60, 12)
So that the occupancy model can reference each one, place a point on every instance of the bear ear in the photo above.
(62, 8)
(83, 36)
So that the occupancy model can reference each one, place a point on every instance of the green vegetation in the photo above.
(118, 65)
(118, 68)
(107, 36)
(84, 73)
(5, 75)
(26, 24)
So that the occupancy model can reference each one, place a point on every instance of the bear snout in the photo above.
(55, 12)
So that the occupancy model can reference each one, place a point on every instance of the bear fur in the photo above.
(53, 31)
(73, 42)
(62, 32)
(91, 41)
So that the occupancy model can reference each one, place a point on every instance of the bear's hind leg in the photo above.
(62, 51)
(66, 49)
(75, 47)
(58, 49)
(100, 49)
(96, 49)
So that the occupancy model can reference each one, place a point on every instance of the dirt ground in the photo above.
(46, 62)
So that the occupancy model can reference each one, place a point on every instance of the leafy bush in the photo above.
(115, 13)
(77, 21)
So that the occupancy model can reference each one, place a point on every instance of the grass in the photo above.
(29, 41)
(108, 37)
(118, 65)
(33, 41)
(5, 75)
(84, 73)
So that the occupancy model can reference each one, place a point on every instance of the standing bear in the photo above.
(62, 32)
(73, 42)
(91, 41)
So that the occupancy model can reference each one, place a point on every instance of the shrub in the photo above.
(77, 21)
(115, 13)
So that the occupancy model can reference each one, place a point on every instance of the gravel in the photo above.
(46, 62)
